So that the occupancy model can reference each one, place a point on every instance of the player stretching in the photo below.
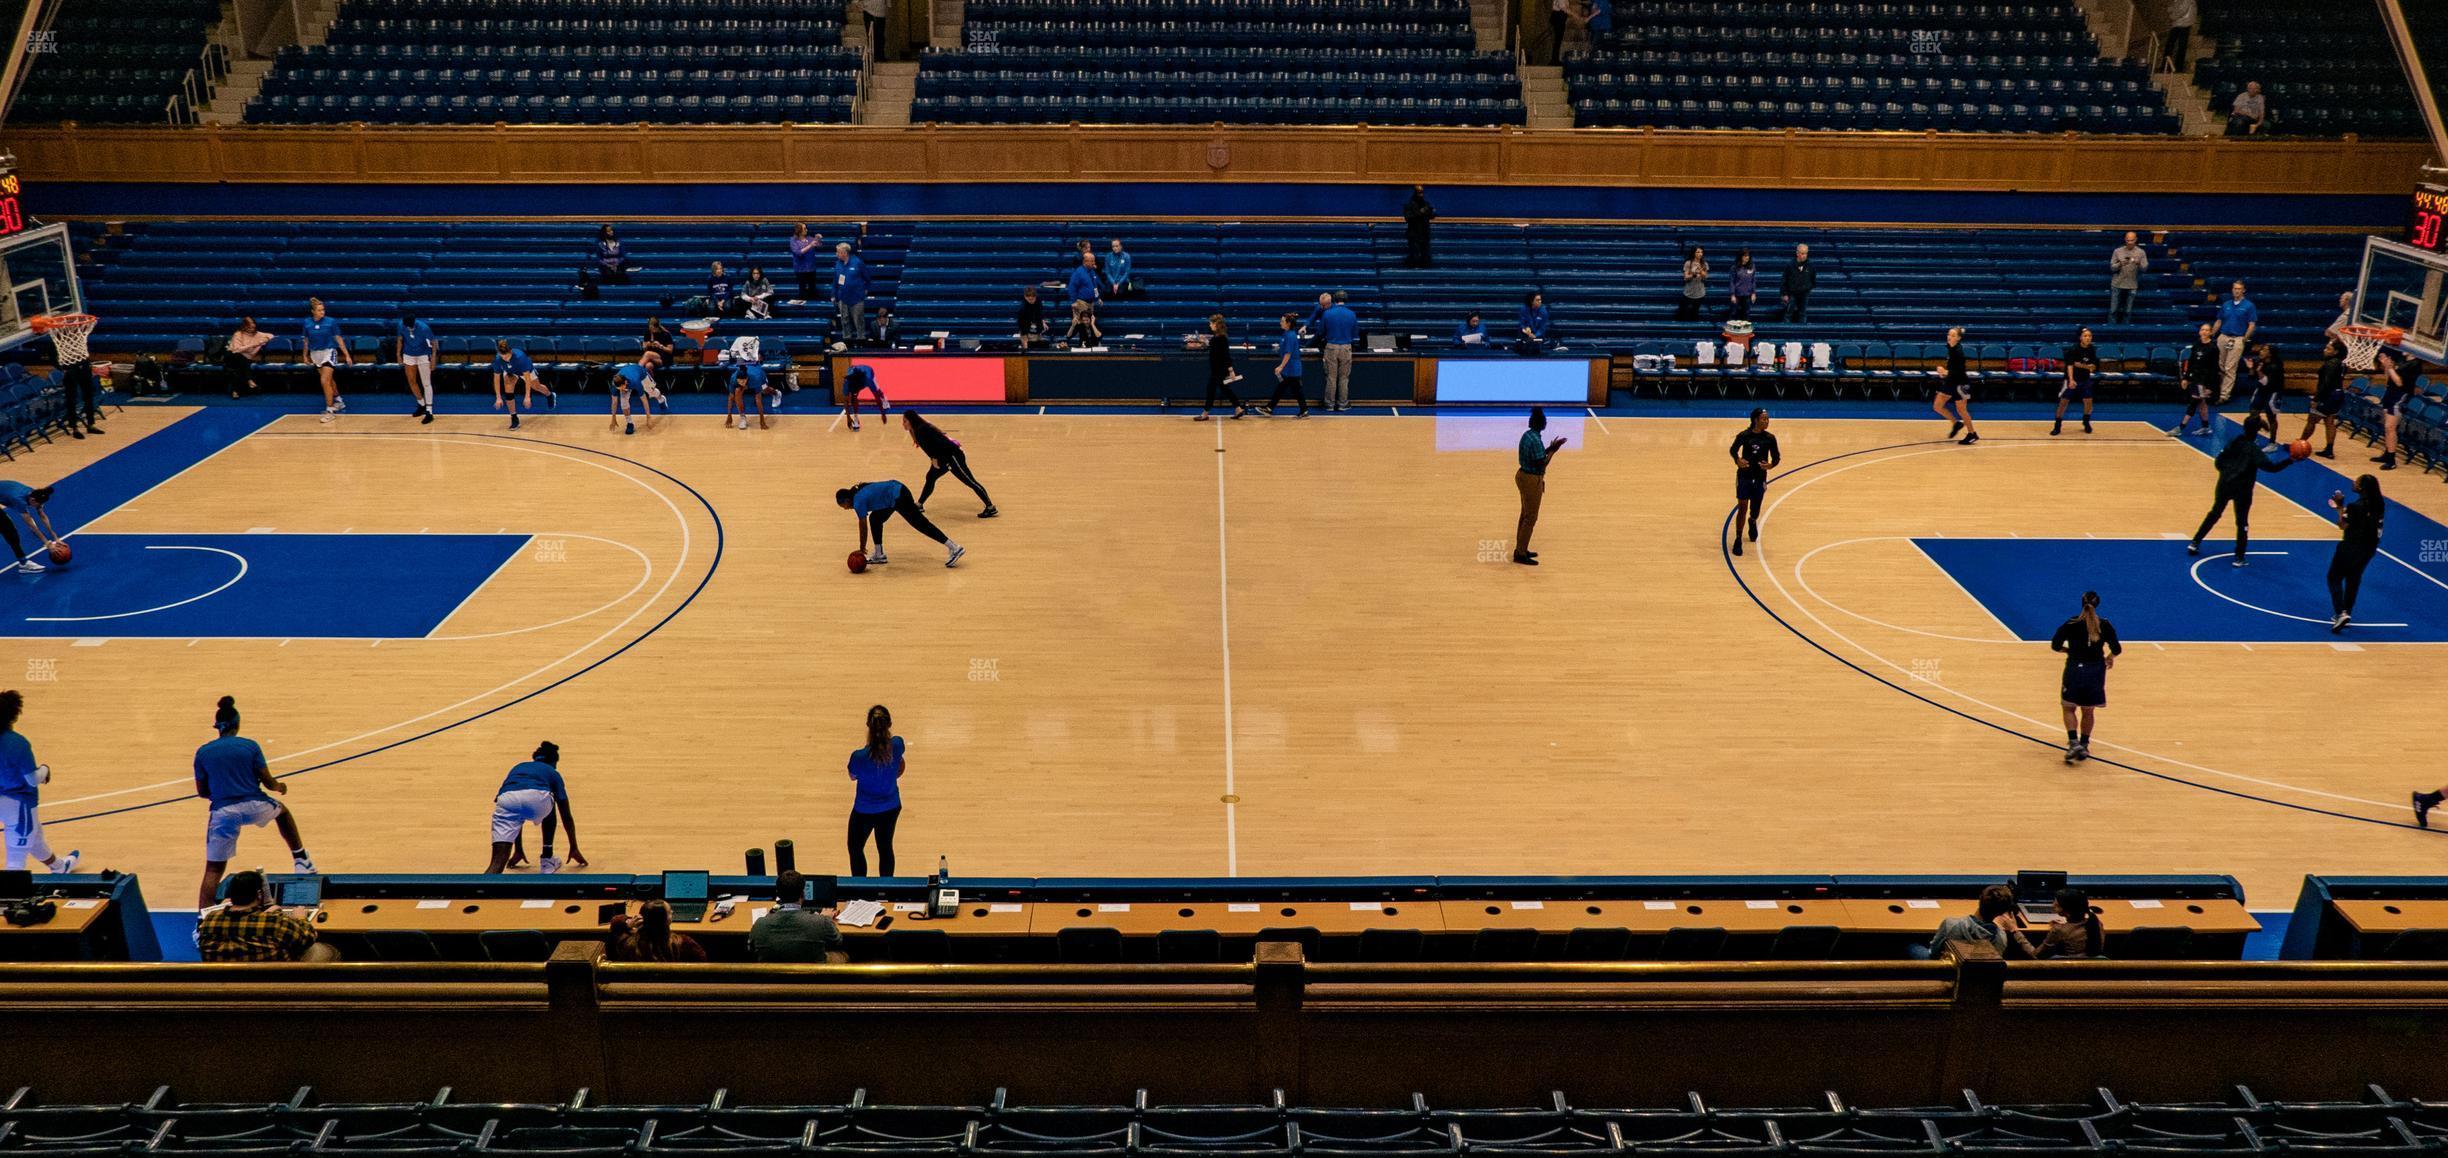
(1755, 453)
(874, 502)
(2328, 397)
(19, 501)
(513, 372)
(944, 456)
(2201, 379)
(2239, 472)
(531, 794)
(231, 773)
(2090, 646)
(1952, 398)
(326, 352)
(416, 351)
(2081, 363)
(861, 380)
(747, 385)
(21, 781)
(638, 376)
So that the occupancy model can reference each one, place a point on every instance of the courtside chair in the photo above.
(514, 945)
(1088, 946)
(400, 945)
(1684, 943)
(1189, 947)
(1387, 945)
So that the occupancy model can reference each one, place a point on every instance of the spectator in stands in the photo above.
(877, 12)
(1695, 285)
(1598, 17)
(2237, 319)
(1220, 372)
(885, 330)
(717, 301)
(849, 296)
(649, 937)
(1086, 284)
(1533, 324)
(239, 353)
(1417, 213)
(1472, 332)
(807, 261)
(1796, 286)
(611, 261)
(2125, 269)
(657, 340)
(1118, 281)
(1030, 324)
(2244, 117)
(1559, 15)
(2181, 17)
(876, 769)
(794, 934)
(1083, 330)
(1287, 369)
(1338, 331)
(1745, 286)
(249, 927)
(1991, 915)
(756, 294)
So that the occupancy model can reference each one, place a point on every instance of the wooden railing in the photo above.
(974, 153)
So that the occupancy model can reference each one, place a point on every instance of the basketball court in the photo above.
(1267, 647)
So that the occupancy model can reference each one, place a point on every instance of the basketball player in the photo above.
(944, 456)
(862, 380)
(21, 781)
(2398, 385)
(638, 376)
(531, 794)
(1755, 453)
(2266, 374)
(2239, 473)
(874, 502)
(2201, 379)
(2081, 363)
(1952, 398)
(416, 348)
(231, 774)
(2328, 397)
(2090, 646)
(514, 373)
(326, 352)
(2359, 526)
(19, 501)
(747, 386)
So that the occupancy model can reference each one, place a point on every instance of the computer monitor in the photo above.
(820, 892)
(686, 886)
(303, 894)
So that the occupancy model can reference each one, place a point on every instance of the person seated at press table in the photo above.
(794, 934)
(239, 353)
(1472, 331)
(649, 937)
(1083, 331)
(1031, 322)
(884, 330)
(1533, 323)
(756, 294)
(1995, 921)
(249, 927)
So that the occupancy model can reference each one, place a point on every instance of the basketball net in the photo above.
(67, 333)
(2363, 344)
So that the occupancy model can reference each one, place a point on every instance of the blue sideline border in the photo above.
(1221, 200)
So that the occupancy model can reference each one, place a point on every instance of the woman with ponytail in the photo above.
(876, 768)
(232, 776)
(2090, 646)
(2359, 521)
(649, 937)
(2075, 930)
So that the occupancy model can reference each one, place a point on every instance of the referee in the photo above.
(1531, 480)
(1755, 453)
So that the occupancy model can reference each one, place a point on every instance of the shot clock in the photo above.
(2426, 231)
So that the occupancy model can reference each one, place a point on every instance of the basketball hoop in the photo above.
(67, 333)
(2363, 344)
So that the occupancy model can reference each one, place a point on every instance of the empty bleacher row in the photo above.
(2328, 77)
(749, 60)
(113, 61)
(1994, 67)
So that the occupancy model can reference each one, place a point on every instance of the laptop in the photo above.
(302, 894)
(820, 892)
(687, 893)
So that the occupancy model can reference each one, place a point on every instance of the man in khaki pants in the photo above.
(1339, 329)
(1532, 481)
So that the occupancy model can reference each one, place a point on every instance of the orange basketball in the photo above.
(60, 552)
(858, 561)
(2299, 450)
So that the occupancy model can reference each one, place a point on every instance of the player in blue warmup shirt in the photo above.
(747, 386)
(874, 502)
(1288, 369)
(531, 794)
(326, 352)
(416, 351)
(638, 376)
(21, 781)
(513, 372)
(233, 777)
(19, 501)
(862, 380)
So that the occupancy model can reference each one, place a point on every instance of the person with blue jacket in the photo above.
(326, 352)
(416, 354)
(849, 296)
(1472, 331)
(21, 782)
(1288, 369)
(1085, 284)
(718, 292)
(1118, 271)
(514, 372)
(1338, 332)
(1533, 323)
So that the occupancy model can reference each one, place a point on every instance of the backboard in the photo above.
(2403, 287)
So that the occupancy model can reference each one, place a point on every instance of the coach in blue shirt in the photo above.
(849, 295)
(1338, 329)
(2237, 319)
(1084, 285)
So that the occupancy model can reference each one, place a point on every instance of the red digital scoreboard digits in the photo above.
(12, 211)
(2429, 228)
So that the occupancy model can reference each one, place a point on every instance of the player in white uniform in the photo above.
(21, 781)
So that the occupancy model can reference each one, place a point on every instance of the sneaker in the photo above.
(1203, 416)
(2389, 463)
(953, 554)
(1954, 430)
(339, 404)
(514, 422)
(2338, 623)
(327, 415)
(2073, 751)
(2086, 426)
(629, 429)
(2193, 548)
(988, 513)
(2380, 458)
(2056, 430)
(854, 424)
(425, 418)
(1525, 560)
(1755, 532)
(552, 401)
(67, 862)
(1971, 438)
(76, 434)
(302, 862)
(1738, 544)
(2328, 454)
(2082, 749)
(877, 559)
(549, 865)
(2239, 561)
(28, 566)
(2424, 802)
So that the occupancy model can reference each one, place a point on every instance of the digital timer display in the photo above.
(2429, 228)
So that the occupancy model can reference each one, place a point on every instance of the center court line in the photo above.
(1232, 834)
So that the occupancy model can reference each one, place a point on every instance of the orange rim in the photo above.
(2374, 333)
(49, 322)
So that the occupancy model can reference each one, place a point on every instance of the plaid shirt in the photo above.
(264, 934)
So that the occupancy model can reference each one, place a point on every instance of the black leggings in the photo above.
(1292, 386)
(2346, 573)
(958, 467)
(2243, 500)
(1216, 373)
(8, 530)
(84, 402)
(881, 824)
(907, 508)
(811, 286)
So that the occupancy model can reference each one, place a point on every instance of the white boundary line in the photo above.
(233, 581)
(2195, 571)
(1232, 829)
(634, 588)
